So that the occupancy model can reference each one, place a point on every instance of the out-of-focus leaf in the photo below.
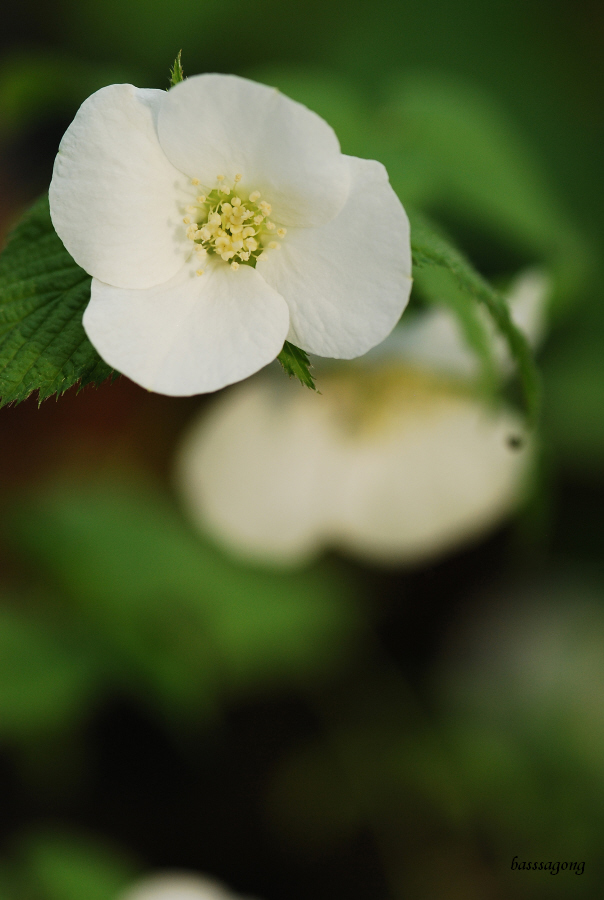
(43, 294)
(474, 160)
(45, 676)
(64, 868)
(431, 249)
(188, 621)
(34, 87)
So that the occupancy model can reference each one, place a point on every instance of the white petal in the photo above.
(114, 194)
(250, 470)
(213, 125)
(437, 473)
(346, 283)
(177, 886)
(192, 334)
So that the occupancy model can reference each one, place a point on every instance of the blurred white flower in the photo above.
(177, 886)
(219, 219)
(395, 461)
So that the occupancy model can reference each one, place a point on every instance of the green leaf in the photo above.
(46, 675)
(69, 868)
(296, 363)
(176, 72)
(430, 248)
(183, 622)
(43, 294)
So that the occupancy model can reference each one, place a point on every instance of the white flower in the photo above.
(394, 461)
(177, 886)
(169, 199)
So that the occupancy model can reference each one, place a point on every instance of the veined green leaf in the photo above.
(43, 294)
(430, 248)
(296, 363)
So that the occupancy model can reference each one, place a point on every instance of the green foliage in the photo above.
(296, 362)
(430, 248)
(46, 674)
(35, 86)
(450, 147)
(59, 867)
(177, 621)
(176, 72)
(43, 294)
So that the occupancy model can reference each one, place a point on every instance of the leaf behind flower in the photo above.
(43, 294)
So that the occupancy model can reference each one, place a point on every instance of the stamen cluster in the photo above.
(225, 224)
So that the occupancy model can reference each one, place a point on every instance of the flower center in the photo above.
(235, 228)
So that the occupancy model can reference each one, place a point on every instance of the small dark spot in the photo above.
(515, 442)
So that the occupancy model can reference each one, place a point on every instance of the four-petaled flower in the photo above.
(219, 219)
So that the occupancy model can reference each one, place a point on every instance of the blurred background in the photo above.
(351, 724)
